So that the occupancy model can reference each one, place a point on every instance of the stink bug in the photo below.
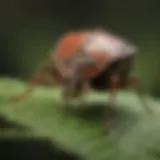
(88, 59)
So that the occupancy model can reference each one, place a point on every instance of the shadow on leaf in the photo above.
(120, 117)
(33, 149)
(6, 124)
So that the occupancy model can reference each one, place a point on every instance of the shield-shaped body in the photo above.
(101, 47)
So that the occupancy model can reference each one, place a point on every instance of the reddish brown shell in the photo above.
(69, 45)
(102, 47)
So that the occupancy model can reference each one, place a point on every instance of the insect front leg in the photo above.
(37, 77)
(114, 85)
(83, 91)
(69, 88)
(76, 82)
(71, 85)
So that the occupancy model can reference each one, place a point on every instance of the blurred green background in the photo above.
(29, 29)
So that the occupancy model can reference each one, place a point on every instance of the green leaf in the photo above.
(134, 135)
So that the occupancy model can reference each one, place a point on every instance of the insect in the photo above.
(89, 59)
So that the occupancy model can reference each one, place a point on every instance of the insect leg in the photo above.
(37, 77)
(114, 85)
(82, 91)
(76, 80)
(71, 83)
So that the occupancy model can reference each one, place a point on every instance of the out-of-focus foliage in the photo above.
(135, 134)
